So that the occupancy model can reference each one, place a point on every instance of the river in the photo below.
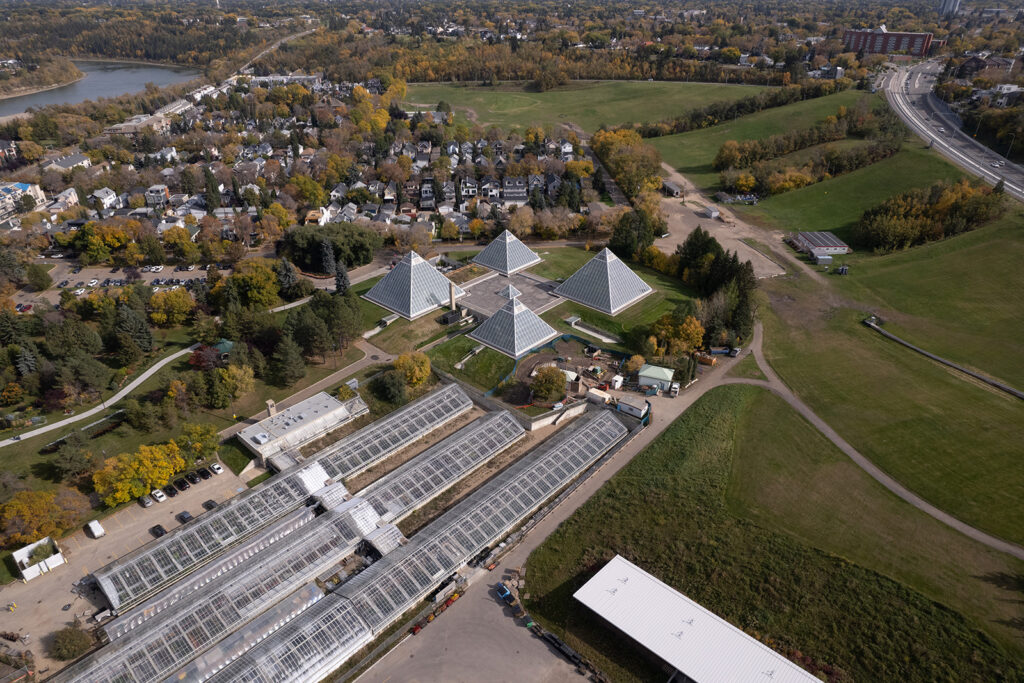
(102, 79)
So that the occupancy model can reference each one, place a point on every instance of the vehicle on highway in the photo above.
(158, 531)
(158, 495)
(216, 468)
(145, 501)
(204, 473)
(185, 516)
(941, 129)
(192, 478)
(181, 485)
(170, 491)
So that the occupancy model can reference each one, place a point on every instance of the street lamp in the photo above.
(1007, 155)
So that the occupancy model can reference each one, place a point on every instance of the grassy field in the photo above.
(560, 262)
(747, 367)
(483, 370)
(955, 297)
(837, 204)
(797, 482)
(588, 104)
(953, 441)
(692, 153)
(667, 511)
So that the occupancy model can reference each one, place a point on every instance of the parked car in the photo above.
(170, 491)
(26, 308)
(76, 270)
(18, 307)
(184, 516)
(158, 531)
(79, 292)
(216, 468)
(181, 485)
(158, 495)
(209, 504)
(64, 284)
(145, 501)
(192, 478)
(203, 473)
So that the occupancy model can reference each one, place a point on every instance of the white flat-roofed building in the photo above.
(694, 641)
(298, 425)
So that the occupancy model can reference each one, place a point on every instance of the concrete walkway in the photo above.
(779, 388)
(127, 389)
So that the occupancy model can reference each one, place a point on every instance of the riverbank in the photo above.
(21, 92)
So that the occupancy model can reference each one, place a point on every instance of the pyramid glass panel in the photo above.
(605, 284)
(507, 255)
(413, 288)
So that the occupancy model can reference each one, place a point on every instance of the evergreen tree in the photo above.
(212, 193)
(341, 281)
(287, 276)
(130, 323)
(287, 366)
(328, 259)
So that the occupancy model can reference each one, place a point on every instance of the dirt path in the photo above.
(685, 213)
(775, 384)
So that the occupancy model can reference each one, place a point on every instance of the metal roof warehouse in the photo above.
(697, 643)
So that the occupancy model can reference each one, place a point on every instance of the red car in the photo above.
(26, 308)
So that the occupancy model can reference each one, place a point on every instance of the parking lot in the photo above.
(41, 602)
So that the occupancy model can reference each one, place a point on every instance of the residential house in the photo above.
(427, 201)
(448, 190)
(490, 188)
(158, 196)
(67, 163)
(514, 190)
(468, 187)
(63, 201)
(553, 184)
(339, 192)
(105, 198)
(9, 154)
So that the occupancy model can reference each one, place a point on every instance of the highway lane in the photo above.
(909, 91)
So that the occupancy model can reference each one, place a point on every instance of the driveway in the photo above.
(41, 600)
(684, 214)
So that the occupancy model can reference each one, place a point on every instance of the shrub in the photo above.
(390, 386)
(69, 643)
(549, 383)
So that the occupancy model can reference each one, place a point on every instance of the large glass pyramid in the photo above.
(514, 329)
(605, 284)
(507, 255)
(413, 288)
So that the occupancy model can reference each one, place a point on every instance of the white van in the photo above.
(95, 529)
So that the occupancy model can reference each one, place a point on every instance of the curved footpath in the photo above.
(778, 387)
(127, 389)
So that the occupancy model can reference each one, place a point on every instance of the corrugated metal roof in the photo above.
(604, 283)
(657, 372)
(506, 254)
(514, 329)
(695, 641)
(822, 239)
(412, 288)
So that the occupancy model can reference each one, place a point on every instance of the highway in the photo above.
(909, 91)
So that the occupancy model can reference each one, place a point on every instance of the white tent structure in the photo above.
(414, 288)
(605, 284)
(507, 255)
(694, 641)
(514, 329)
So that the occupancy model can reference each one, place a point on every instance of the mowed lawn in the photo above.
(692, 153)
(837, 204)
(483, 370)
(588, 104)
(798, 482)
(667, 512)
(952, 440)
(957, 298)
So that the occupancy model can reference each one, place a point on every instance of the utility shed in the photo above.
(655, 376)
(298, 425)
(820, 242)
(697, 643)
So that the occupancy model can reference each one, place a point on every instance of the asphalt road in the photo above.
(909, 91)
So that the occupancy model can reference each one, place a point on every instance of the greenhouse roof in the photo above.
(514, 329)
(413, 288)
(605, 284)
(507, 254)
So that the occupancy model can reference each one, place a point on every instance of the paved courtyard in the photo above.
(485, 299)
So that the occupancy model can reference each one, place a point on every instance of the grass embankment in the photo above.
(952, 440)
(484, 370)
(588, 104)
(692, 153)
(667, 511)
(957, 298)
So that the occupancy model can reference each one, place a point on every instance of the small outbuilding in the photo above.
(711, 212)
(655, 376)
(636, 406)
(671, 189)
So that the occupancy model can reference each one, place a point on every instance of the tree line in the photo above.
(928, 214)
